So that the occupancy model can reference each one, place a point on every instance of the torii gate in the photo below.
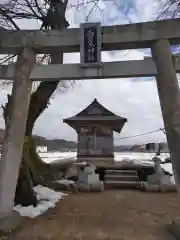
(89, 40)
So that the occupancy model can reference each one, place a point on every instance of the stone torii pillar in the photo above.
(15, 131)
(169, 96)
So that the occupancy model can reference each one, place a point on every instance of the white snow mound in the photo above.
(47, 199)
(65, 182)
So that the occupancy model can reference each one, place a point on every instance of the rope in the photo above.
(142, 134)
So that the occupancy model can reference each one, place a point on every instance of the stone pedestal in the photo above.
(159, 182)
(175, 228)
(96, 187)
(88, 178)
(89, 181)
(159, 179)
(10, 222)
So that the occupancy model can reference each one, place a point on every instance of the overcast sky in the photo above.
(135, 99)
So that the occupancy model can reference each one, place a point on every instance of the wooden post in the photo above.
(169, 95)
(16, 126)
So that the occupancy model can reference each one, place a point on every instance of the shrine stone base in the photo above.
(98, 161)
(10, 222)
(175, 228)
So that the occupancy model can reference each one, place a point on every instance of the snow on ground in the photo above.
(168, 167)
(47, 199)
(50, 157)
(65, 181)
(137, 158)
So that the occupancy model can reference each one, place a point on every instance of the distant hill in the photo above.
(63, 145)
(54, 144)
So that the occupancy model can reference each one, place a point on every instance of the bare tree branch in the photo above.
(169, 9)
(13, 10)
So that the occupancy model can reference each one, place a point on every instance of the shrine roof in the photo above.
(95, 112)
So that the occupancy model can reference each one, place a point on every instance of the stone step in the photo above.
(114, 177)
(121, 184)
(121, 172)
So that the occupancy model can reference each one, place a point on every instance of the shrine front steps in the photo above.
(127, 179)
(122, 172)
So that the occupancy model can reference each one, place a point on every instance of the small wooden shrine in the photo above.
(94, 126)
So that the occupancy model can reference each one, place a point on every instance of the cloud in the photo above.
(135, 99)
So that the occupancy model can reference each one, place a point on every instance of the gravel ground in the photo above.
(113, 215)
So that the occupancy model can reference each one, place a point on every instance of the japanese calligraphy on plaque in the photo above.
(90, 49)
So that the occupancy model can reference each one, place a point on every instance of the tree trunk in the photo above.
(33, 172)
(26, 180)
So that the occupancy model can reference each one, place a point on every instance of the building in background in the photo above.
(41, 149)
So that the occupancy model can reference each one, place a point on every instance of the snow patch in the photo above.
(47, 199)
(168, 167)
(65, 182)
(50, 157)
